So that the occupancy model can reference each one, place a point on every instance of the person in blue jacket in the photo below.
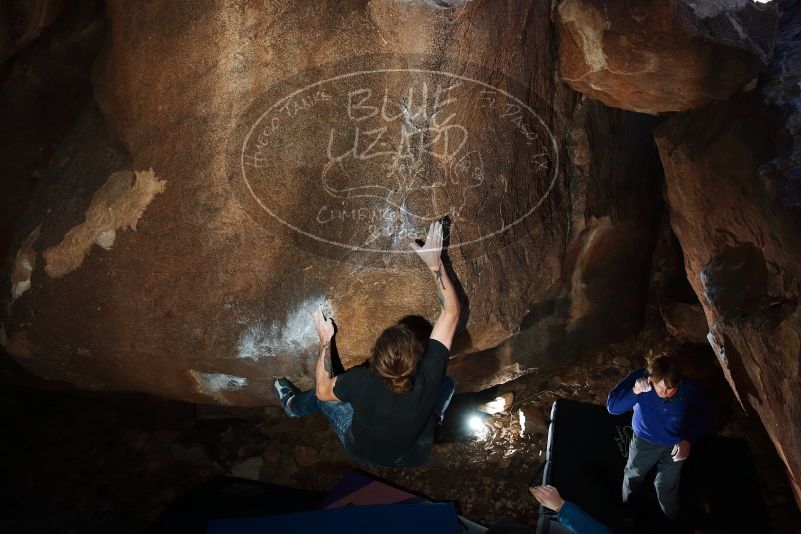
(569, 514)
(670, 414)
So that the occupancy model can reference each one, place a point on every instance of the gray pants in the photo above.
(642, 457)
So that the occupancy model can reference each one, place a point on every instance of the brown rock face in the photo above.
(601, 295)
(658, 55)
(685, 321)
(732, 173)
(244, 164)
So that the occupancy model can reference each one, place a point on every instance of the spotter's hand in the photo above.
(681, 451)
(548, 496)
(641, 386)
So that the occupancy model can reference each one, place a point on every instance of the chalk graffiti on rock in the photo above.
(367, 159)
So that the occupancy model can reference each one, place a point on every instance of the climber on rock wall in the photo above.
(670, 414)
(384, 410)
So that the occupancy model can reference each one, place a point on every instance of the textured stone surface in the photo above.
(672, 300)
(22, 21)
(304, 455)
(658, 55)
(685, 321)
(532, 420)
(500, 404)
(732, 173)
(602, 292)
(249, 469)
(197, 293)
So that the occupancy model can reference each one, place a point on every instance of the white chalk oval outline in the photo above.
(419, 71)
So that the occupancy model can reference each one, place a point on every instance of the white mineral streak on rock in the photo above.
(591, 25)
(295, 334)
(580, 304)
(119, 204)
(499, 405)
(215, 385)
(24, 263)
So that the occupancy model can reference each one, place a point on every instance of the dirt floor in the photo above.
(113, 462)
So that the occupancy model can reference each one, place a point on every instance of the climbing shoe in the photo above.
(286, 391)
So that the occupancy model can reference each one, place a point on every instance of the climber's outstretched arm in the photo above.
(324, 372)
(431, 254)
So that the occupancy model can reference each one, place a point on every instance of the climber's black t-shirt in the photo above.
(393, 428)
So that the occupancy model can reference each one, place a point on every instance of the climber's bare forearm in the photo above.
(324, 374)
(445, 325)
(446, 293)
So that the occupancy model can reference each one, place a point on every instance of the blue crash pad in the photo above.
(436, 518)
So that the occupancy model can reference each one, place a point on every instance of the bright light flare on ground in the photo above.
(477, 427)
(475, 423)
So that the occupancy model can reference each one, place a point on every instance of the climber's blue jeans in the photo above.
(446, 390)
(340, 414)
